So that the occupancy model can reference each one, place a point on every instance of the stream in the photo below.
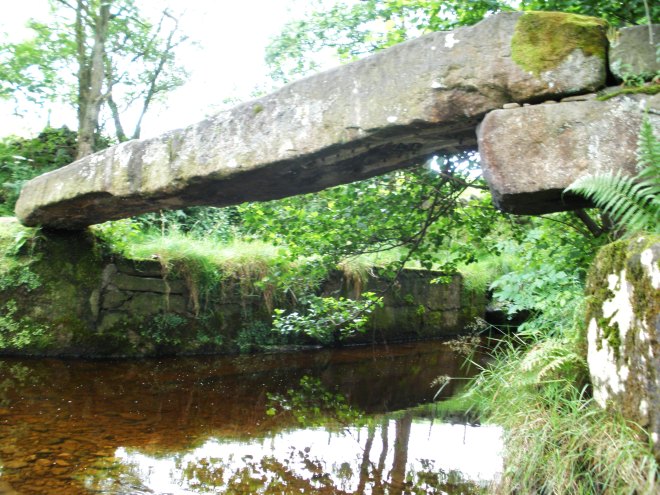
(347, 421)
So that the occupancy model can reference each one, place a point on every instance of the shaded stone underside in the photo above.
(384, 112)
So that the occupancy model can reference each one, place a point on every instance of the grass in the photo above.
(213, 259)
(478, 276)
(557, 440)
(204, 263)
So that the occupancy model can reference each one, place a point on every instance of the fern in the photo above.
(553, 359)
(649, 158)
(631, 202)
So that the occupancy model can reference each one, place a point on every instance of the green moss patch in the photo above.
(650, 89)
(542, 40)
(612, 259)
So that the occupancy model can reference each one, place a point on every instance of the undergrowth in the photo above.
(557, 440)
(536, 385)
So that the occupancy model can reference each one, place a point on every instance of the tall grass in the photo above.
(557, 440)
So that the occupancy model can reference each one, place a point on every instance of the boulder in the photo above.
(624, 331)
(633, 54)
(387, 111)
(529, 155)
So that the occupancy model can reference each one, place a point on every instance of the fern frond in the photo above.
(629, 203)
(648, 154)
(548, 359)
(633, 203)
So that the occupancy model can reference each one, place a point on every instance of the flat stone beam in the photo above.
(387, 111)
(529, 155)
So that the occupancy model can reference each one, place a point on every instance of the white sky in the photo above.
(229, 62)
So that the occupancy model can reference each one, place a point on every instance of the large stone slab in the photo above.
(624, 332)
(634, 53)
(529, 155)
(387, 111)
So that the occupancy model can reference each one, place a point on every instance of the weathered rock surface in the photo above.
(624, 332)
(633, 52)
(529, 155)
(384, 112)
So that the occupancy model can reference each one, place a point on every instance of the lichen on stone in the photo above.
(617, 258)
(543, 40)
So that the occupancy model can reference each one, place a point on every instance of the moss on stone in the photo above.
(542, 40)
(652, 89)
(645, 298)
(612, 260)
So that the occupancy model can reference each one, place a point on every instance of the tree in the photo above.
(124, 63)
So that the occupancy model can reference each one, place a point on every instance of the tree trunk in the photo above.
(91, 95)
(119, 129)
(83, 61)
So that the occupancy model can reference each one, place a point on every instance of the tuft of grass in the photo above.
(557, 440)
(207, 264)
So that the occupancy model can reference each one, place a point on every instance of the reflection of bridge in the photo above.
(384, 112)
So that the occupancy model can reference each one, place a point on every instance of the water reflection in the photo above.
(237, 425)
(393, 456)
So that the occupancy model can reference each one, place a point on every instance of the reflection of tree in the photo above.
(398, 472)
(364, 465)
(301, 472)
(312, 404)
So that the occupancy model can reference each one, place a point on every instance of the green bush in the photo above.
(21, 159)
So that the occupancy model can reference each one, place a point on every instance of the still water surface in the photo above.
(335, 422)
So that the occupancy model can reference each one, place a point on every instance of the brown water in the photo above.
(312, 422)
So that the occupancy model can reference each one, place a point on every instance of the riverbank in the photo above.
(72, 294)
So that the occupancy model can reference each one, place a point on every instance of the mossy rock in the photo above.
(543, 40)
(623, 321)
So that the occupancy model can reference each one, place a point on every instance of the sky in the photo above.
(228, 62)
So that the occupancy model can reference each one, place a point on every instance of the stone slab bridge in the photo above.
(517, 87)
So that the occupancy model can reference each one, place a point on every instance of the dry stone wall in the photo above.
(415, 306)
(81, 302)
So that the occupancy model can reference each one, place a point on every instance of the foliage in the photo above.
(548, 278)
(313, 405)
(18, 332)
(633, 203)
(360, 28)
(353, 30)
(557, 439)
(257, 336)
(427, 216)
(617, 13)
(199, 222)
(22, 159)
(124, 62)
(15, 270)
(631, 79)
(413, 211)
(328, 319)
(169, 331)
